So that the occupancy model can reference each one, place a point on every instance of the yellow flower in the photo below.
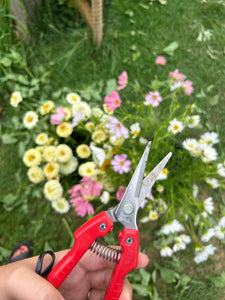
(41, 139)
(68, 113)
(50, 141)
(68, 167)
(117, 142)
(35, 174)
(63, 130)
(15, 99)
(83, 151)
(30, 119)
(50, 154)
(99, 136)
(153, 215)
(88, 169)
(81, 106)
(51, 170)
(46, 107)
(40, 149)
(109, 112)
(89, 126)
(61, 205)
(32, 158)
(53, 190)
(64, 153)
(73, 98)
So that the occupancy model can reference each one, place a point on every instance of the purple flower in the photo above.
(116, 128)
(120, 164)
(77, 118)
(153, 99)
(57, 118)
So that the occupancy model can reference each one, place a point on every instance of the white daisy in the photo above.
(73, 98)
(105, 197)
(208, 205)
(61, 205)
(178, 246)
(222, 222)
(30, 119)
(163, 175)
(15, 99)
(219, 232)
(166, 251)
(135, 129)
(206, 237)
(193, 121)
(210, 138)
(192, 146)
(172, 227)
(183, 238)
(208, 154)
(221, 169)
(175, 126)
(213, 182)
(35, 174)
(195, 191)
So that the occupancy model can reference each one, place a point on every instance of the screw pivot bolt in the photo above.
(102, 226)
(129, 240)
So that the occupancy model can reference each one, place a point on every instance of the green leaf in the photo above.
(8, 139)
(214, 100)
(167, 275)
(5, 61)
(111, 85)
(136, 55)
(145, 276)
(141, 289)
(171, 48)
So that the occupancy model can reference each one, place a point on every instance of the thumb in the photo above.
(24, 283)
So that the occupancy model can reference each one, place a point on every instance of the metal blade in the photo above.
(126, 210)
(150, 179)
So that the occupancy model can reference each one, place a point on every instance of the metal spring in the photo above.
(106, 252)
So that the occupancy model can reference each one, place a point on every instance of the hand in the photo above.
(18, 281)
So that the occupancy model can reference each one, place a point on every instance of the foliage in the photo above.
(67, 140)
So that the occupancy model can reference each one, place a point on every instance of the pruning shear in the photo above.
(100, 225)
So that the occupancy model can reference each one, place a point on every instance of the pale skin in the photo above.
(18, 281)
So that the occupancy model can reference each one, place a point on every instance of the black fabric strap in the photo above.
(40, 264)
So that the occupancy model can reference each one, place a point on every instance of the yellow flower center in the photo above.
(165, 171)
(29, 119)
(31, 157)
(116, 101)
(175, 127)
(50, 168)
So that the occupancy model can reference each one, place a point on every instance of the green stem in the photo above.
(68, 228)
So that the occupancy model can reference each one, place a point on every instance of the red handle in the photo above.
(98, 226)
(129, 241)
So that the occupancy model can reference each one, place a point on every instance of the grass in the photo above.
(135, 34)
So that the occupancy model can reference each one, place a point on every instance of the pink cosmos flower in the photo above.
(176, 75)
(188, 89)
(82, 206)
(153, 98)
(116, 128)
(75, 191)
(90, 187)
(112, 101)
(160, 60)
(120, 192)
(57, 118)
(121, 164)
(123, 79)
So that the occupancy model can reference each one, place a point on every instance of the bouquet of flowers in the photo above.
(82, 155)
